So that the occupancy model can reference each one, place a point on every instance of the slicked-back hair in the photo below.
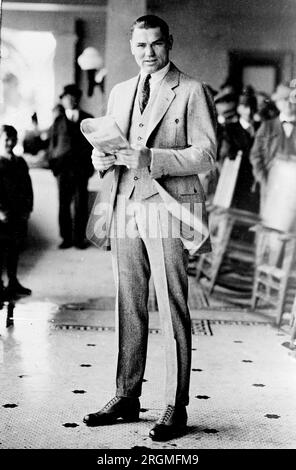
(151, 21)
(10, 131)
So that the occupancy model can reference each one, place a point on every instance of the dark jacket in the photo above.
(69, 151)
(16, 193)
(266, 147)
(235, 139)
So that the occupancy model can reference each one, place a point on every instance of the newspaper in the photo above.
(104, 134)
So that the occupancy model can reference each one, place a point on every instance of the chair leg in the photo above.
(219, 255)
(280, 308)
(293, 334)
(254, 300)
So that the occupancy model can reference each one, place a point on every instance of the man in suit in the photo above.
(239, 137)
(166, 117)
(276, 138)
(70, 161)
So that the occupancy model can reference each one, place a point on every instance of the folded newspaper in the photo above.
(104, 134)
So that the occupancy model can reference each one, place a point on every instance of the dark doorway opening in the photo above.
(264, 70)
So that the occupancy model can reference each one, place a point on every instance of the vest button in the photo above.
(141, 124)
(136, 178)
(139, 138)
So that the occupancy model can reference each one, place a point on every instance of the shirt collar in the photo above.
(245, 124)
(72, 114)
(283, 118)
(156, 76)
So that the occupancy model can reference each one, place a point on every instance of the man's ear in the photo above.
(170, 41)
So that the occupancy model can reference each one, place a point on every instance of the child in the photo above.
(16, 204)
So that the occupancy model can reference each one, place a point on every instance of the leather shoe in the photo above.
(82, 245)
(125, 409)
(15, 289)
(171, 424)
(65, 244)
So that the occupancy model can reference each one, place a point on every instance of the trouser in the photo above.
(134, 259)
(72, 190)
(10, 246)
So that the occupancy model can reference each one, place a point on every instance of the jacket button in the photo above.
(136, 178)
(141, 124)
(176, 121)
(139, 138)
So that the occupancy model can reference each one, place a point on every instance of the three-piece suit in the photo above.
(177, 125)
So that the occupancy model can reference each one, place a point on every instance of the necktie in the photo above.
(144, 93)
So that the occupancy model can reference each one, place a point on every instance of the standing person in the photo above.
(276, 138)
(70, 161)
(16, 204)
(166, 118)
(239, 137)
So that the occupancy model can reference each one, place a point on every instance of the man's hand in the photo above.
(101, 161)
(135, 158)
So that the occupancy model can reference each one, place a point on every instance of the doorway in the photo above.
(263, 70)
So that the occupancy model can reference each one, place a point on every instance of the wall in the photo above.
(205, 30)
(62, 25)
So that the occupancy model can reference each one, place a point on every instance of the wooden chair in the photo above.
(275, 272)
(222, 224)
(293, 325)
(222, 221)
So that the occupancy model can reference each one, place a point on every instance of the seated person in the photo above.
(16, 204)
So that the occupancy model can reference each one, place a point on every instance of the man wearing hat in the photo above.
(239, 137)
(275, 136)
(70, 161)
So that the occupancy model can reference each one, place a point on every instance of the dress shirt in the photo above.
(72, 114)
(288, 124)
(247, 126)
(156, 77)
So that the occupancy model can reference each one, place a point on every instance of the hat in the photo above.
(248, 98)
(225, 95)
(282, 92)
(71, 89)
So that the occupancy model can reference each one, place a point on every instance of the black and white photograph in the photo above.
(147, 232)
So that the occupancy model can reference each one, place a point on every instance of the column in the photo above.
(119, 61)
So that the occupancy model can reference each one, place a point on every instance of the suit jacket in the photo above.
(266, 146)
(235, 138)
(16, 198)
(16, 192)
(181, 134)
(69, 151)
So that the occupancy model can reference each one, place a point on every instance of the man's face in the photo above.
(7, 144)
(70, 101)
(150, 49)
(244, 112)
(286, 107)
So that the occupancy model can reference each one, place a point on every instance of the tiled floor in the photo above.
(57, 363)
(54, 371)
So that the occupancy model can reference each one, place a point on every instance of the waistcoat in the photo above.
(138, 184)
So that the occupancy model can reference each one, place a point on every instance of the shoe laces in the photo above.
(166, 415)
(111, 403)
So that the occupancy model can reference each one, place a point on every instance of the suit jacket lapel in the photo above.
(164, 98)
(123, 117)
